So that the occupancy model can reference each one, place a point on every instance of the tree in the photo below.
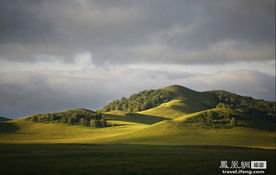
(34, 119)
(82, 122)
(93, 123)
(234, 122)
(103, 123)
(70, 121)
(64, 119)
(209, 115)
(141, 101)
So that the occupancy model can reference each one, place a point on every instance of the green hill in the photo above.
(182, 131)
(133, 117)
(175, 101)
(259, 108)
(141, 101)
(182, 116)
(200, 129)
(170, 102)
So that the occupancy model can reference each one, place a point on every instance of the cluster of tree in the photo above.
(138, 102)
(83, 118)
(95, 123)
(248, 105)
(210, 115)
(214, 119)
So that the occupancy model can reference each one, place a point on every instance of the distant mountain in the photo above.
(174, 101)
(4, 118)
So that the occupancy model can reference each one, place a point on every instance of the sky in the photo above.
(61, 54)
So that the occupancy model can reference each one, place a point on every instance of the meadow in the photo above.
(98, 159)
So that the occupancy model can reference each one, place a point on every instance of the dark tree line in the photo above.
(260, 108)
(138, 102)
(83, 118)
(214, 119)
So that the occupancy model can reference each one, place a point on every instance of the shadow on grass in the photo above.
(136, 118)
(99, 159)
(256, 122)
(6, 127)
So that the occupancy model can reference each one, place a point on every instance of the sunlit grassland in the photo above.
(133, 129)
(239, 136)
(172, 109)
(182, 104)
(133, 117)
(132, 144)
(186, 135)
(250, 132)
(22, 131)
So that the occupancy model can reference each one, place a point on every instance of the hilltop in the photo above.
(169, 102)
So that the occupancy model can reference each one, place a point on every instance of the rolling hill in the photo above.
(184, 131)
(195, 129)
(182, 116)
(185, 101)
(176, 98)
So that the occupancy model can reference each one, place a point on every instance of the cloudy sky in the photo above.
(57, 55)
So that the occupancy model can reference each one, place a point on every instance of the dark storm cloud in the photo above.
(128, 31)
(21, 23)
(25, 34)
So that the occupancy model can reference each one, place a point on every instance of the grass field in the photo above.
(128, 148)
(22, 131)
(87, 159)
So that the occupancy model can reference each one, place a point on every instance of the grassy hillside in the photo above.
(25, 131)
(170, 110)
(133, 117)
(191, 129)
(248, 105)
(185, 101)
(141, 101)
(175, 101)
(130, 128)
(184, 120)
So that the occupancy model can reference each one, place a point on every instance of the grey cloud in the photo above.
(26, 93)
(114, 32)
(244, 82)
